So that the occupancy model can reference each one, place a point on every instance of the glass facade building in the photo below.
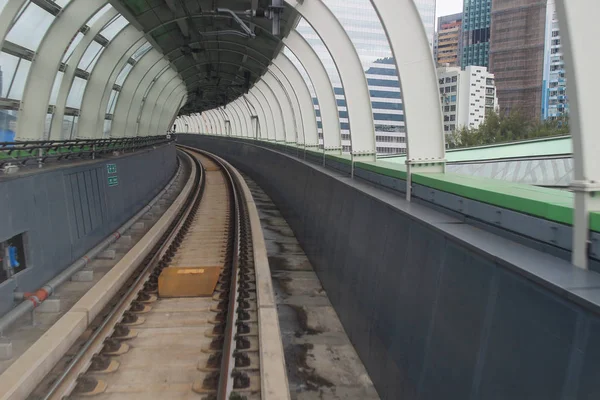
(476, 32)
(362, 24)
(555, 104)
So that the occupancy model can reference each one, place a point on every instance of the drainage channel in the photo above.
(320, 359)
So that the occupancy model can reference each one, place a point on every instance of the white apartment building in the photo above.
(466, 96)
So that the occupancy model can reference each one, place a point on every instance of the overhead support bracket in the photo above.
(249, 32)
(274, 12)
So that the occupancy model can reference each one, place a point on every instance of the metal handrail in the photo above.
(22, 152)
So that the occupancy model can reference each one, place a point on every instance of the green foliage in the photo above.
(511, 127)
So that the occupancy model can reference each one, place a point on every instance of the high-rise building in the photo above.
(448, 41)
(362, 24)
(554, 87)
(466, 96)
(517, 54)
(476, 32)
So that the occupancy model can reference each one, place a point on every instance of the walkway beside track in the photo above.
(321, 361)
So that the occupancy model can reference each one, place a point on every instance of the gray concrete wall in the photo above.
(436, 308)
(65, 211)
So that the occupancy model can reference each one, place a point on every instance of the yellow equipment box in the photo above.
(188, 281)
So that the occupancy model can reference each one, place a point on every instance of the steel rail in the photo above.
(112, 318)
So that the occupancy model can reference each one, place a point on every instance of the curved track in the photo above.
(143, 346)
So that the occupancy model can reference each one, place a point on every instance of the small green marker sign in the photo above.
(111, 168)
(113, 180)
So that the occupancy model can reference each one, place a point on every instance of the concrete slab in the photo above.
(6, 349)
(138, 225)
(50, 305)
(126, 239)
(108, 254)
(30, 368)
(83, 276)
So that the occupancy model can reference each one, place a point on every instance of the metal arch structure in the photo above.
(425, 142)
(142, 94)
(201, 123)
(38, 88)
(197, 123)
(291, 99)
(276, 110)
(69, 74)
(141, 77)
(213, 126)
(234, 120)
(347, 62)
(218, 129)
(332, 136)
(246, 119)
(7, 17)
(576, 20)
(143, 121)
(289, 93)
(308, 116)
(288, 128)
(156, 89)
(263, 133)
(102, 78)
(299, 127)
(182, 31)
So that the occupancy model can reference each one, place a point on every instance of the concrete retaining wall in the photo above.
(66, 210)
(437, 309)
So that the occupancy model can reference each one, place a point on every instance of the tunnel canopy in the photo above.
(219, 48)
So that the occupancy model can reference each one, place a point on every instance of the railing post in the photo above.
(40, 157)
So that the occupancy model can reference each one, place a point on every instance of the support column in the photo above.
(425, 142)
(577, 21)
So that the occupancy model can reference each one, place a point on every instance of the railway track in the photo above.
(149, 343)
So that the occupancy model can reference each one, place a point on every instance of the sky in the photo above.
(447, 7)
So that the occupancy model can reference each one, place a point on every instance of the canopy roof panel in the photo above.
(220, 48)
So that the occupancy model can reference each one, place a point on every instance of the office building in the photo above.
(448, 43)
(466, 96)
(554, 87)
(362, 24)
(517, 47)
(476, 32)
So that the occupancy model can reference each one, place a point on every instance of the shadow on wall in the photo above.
(431, 316)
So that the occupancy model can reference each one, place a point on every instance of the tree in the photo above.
(510, 127)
